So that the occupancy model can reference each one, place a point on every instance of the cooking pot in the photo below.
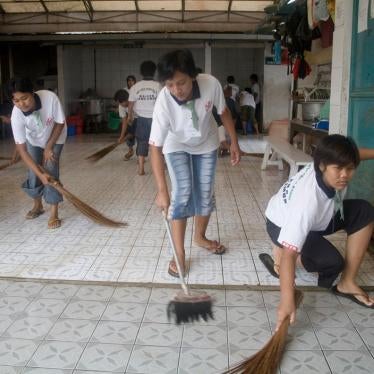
(92, 106)
(310, 110)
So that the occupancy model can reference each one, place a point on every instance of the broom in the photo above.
(187, 306)
(10, 163)
(267, 360)
(84, 208)
(102, 153)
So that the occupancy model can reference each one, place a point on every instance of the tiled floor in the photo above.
(139, 253)
(69, 328)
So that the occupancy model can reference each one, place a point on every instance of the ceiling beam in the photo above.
(44, 6)
(89, 9)
(229, 10)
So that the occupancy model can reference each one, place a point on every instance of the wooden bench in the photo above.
(278, 149)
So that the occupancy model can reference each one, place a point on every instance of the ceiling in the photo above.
(115, 16)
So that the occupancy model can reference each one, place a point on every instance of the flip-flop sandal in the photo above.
(31, 214)
(268, 262)
(54, 223)
(171, 271)
(352, 297)
(215, 247)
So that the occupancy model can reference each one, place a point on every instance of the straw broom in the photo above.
(10, 163)
(267, 360)
(102, 153)
(84, 208)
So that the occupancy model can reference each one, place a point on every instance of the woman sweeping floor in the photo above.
(39, 130)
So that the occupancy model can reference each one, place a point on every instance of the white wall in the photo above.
(276, 93)
(341, 65)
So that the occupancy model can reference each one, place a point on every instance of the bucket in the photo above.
(77, 122)
(71, 130)
(114, 121)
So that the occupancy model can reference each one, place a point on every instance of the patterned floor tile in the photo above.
(131, 312)
(5, 322)
(9, 305)
(23, 289)
(97, 293)
(339, 339)
(72, 330)
(302, 339)
(302, 362)
(105, 357)
(58, 291)
(244, 298)
(51, 308)
(329, 317)
(149, 360)
(247, 337)
(247, 316)
(57, 355)
(367, 335)
(34, 328)
(84, 310)
(362, 317)
(205, 337)
(202, 361)
(159, 334)
(131, 294)
(113, 332)
(350, 362)
(45, 371)
(16, 352)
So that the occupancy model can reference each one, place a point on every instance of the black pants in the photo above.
(320, 256)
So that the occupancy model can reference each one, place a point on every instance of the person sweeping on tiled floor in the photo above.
(39, 130)
(309, 206)
(183, 130)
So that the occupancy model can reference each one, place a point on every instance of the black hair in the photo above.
(254, 78)
(199, 71)
(336, 150)
(148, 69)
(131, 77)
(248, 89)
(121, 96)
(230, 79)
(179, 60)
(20, 85)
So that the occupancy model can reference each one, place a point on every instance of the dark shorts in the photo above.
(131, 130)
(143, 131)
(318, 254)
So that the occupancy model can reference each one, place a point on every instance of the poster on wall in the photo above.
(363, 9)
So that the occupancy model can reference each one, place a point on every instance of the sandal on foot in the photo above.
(214, 247)
(128, 155)
(352, 297)
(31, 214)
(54, 223)
(172, 270)
(268, 262)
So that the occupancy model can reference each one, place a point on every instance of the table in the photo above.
(305, 128)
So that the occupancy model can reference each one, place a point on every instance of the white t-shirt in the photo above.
(247, 99)
(36, 128)
(302, 205)
(122, 111)
(173, 127)
(144, 94)
(234, 90)
(256, 90)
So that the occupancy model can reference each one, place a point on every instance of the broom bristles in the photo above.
(84, 208)
(102, 153)
(267, 360)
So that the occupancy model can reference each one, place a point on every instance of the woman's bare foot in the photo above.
(212, 246)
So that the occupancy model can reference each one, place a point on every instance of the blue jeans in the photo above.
(33, 186)
(192, 180)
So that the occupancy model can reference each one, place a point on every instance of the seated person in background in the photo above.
(127, 131)
(309, 206)
(247, 108)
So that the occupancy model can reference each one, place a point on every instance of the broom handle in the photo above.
(181, 278)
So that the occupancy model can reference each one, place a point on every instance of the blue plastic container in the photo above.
(71, 130)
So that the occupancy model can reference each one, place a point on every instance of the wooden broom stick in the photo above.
(267, 360)
(84, 208)
(102, 153)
